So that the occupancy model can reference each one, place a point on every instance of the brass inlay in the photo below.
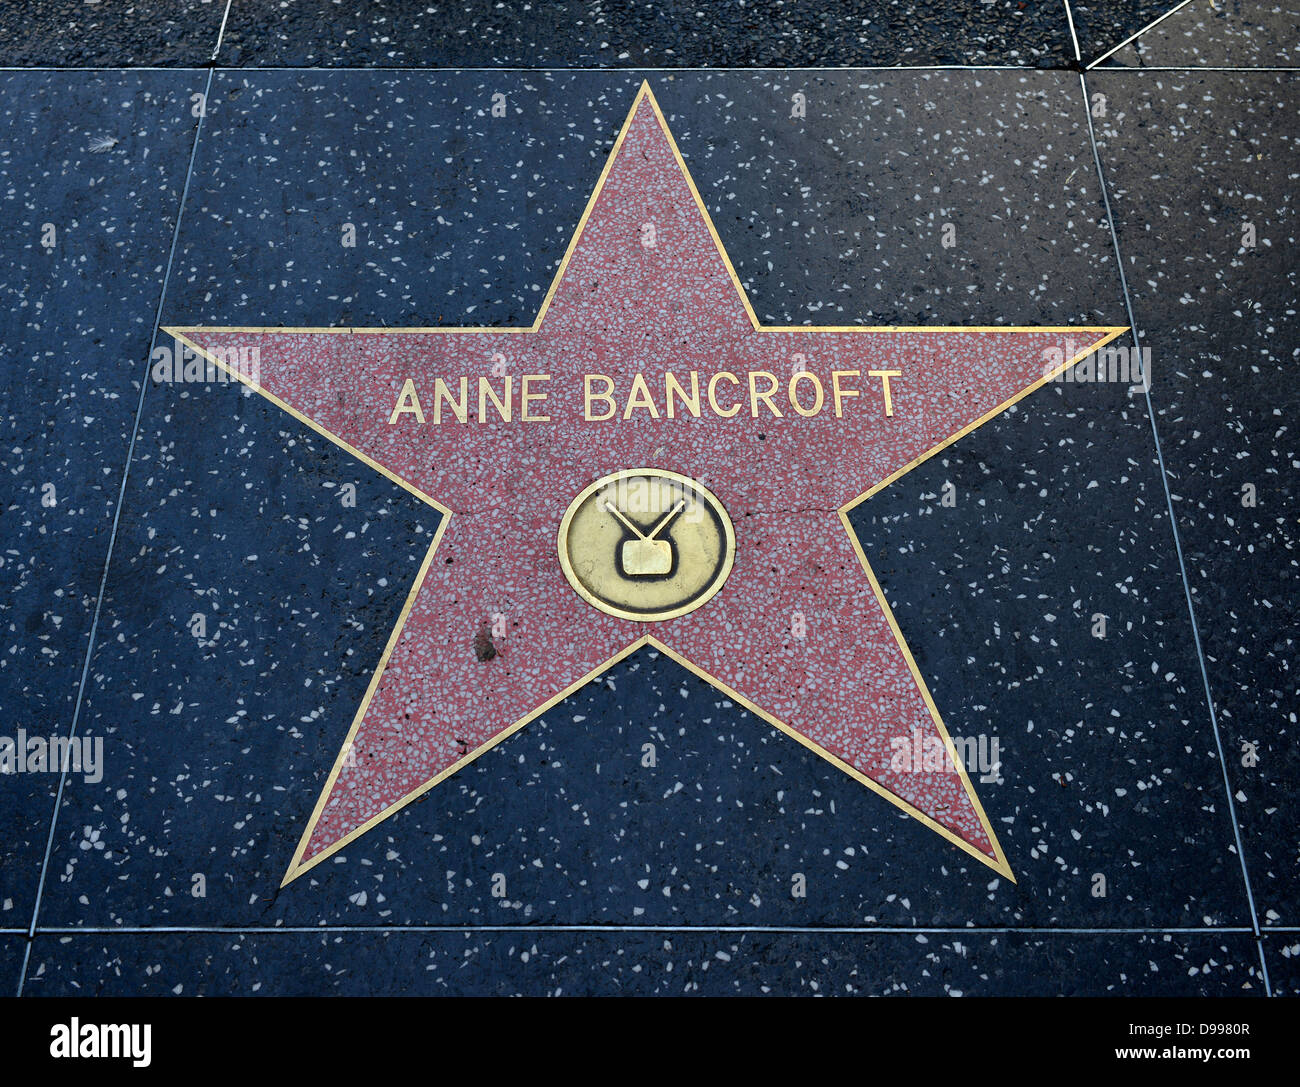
(646, 544)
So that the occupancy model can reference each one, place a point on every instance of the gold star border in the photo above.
(998, 863)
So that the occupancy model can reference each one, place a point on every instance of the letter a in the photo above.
(408, 403)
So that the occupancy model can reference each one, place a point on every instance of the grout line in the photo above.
(1198, 68)
(1069, 15)
(635, 70)
(532, 69)
(112, 539)
(1131, 37)
(841, 930)
(221, 32)
(103, 68)
(249, 69)
(1178, 545)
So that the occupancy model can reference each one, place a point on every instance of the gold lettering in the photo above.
(526, 398)
(459, 408)
(589, 394)
(837, 393)
(601, 401)
(485, 391)
(639, 397)
(884, 376)
(766, 397)
(820, 397)
(713, 399)
(407, 403)
(673, 388)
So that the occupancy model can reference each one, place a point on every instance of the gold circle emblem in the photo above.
(646, 544)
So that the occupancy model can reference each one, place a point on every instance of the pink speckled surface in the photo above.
(620, 309)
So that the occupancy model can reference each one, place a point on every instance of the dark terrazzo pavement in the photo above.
(645, 964)
(76, 319)
(1283, 954)
(1195, 158)
(1220, 33)
(567, 33)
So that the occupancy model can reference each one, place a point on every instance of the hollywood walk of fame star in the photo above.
(782, 429)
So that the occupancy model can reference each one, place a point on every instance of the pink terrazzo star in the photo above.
(646, 288)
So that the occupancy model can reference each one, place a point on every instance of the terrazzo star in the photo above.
(712, 571)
